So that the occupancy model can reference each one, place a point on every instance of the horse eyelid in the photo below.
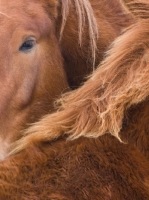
(28, 44)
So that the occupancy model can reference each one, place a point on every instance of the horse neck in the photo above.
(78, 60)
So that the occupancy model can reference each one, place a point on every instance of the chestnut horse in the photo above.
(96, 145)
(45, 39)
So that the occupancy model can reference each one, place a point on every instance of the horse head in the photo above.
(31, 65)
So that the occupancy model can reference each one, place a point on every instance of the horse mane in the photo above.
(84, 14)
(98, 107)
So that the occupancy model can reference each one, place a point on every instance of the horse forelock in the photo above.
(85, 14)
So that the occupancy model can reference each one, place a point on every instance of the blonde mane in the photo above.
(85, 14)
(98, 107)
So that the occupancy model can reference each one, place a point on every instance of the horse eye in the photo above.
(28, 45)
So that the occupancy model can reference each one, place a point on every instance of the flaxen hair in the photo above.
(84, 14)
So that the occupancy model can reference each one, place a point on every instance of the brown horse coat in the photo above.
(41, 41)
(80, 57)
(52, 166)
(82, 169)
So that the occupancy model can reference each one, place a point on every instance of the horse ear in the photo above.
(138, 8)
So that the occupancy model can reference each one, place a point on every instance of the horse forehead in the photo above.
(20, 5)
(20, 10)
(27, 14)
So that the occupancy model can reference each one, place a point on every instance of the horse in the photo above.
(48, 46)
(89, 43)
(95, 146)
